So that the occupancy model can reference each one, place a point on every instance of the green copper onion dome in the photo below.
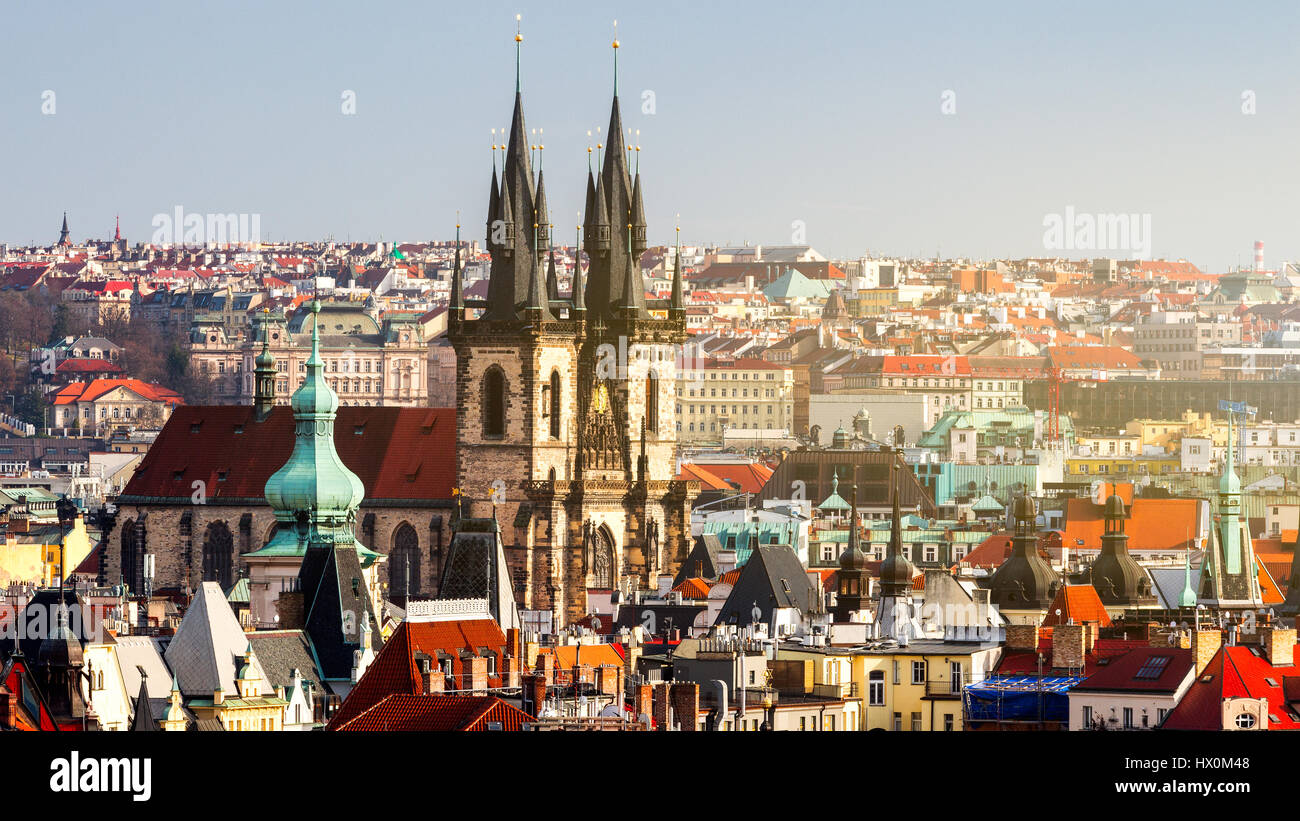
(315, 478)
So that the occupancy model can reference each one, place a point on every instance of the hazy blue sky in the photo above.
(766, 113)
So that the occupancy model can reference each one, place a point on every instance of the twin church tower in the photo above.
(567, 421)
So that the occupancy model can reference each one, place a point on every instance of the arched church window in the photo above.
(404, 563)
(218, 552)
(652, 403)
(130, 567)
(555, 404)
(602, 559)
(494, 402)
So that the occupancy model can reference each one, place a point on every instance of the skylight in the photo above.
(1152, 668)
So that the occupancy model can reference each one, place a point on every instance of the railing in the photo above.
(847, 689)
(945, 688)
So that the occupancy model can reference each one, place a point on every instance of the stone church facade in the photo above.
(567, 430)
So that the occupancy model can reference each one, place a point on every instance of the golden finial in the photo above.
(519, 37)
(615, 34)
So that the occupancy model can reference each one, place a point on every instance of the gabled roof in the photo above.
(394, 670)
(96, 388)
(209, 646)
(773, 577)
(1236, 671)
(1077, 604)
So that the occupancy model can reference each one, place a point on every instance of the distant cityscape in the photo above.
(498, 482)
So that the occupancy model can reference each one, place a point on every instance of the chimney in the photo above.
(478, 674)
(659, 698)
(513, 646)
(686, 704)
(289, 607)
(607, 679)
(1278, 645)
(1022, 637)
(434, 680)
(1205, 643)
(546, 668)
(1069, 643)
(538, 683)
(510, 671)
(644, 700)
(218, 696)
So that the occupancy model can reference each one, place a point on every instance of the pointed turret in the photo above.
(457, 304)
(494, 199)
(638, 220)
(632, 304)
(264, 378)
(896, 570)
(1025, 581)
(541, 214)
(552, 278)
(63, 233)
(853, 581)
(1117, 577)
(578, 296)
(677, 303)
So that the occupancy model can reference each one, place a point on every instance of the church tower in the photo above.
(1229, 578)
(567, 427)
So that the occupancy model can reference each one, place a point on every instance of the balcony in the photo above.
(945, 688)
(847, 689)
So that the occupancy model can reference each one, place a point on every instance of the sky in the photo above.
(962, 129)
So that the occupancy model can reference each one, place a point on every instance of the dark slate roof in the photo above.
(702, 561)
(772, 578)
(334, 611)
(280, 652)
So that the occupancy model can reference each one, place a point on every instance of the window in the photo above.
(1152, 668)
(898, 722)
(1128, 718)
(916, 722)
(876, 689)
(494, 402)
(1245, 721)
(918, 672)
(947, 722)
(652, 403)
(555, 404)
(1087, 717)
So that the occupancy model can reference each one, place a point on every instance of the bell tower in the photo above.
(567, 415)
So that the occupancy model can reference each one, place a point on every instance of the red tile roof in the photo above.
(80, 364)
(394, 670)
(437, 714)
(751, 477)
(1022, 662)
(693, 588)
(1236, 672)
(1077, 604)
(1153, 524)
(1120, 673)
(94, 389)
(398, 453)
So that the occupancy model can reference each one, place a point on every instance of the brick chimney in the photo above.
(289, 607)
(1069, 645)
(659, 698)
(510, 671)
(478, 674)
(538, 684)
(434, 680)
(644, 700)
(686, 705)
(513, 645)
(1278, 645)
(1205, 643)
(546, 666)
(1022, 637)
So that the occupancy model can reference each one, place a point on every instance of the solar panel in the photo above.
(1152, 668)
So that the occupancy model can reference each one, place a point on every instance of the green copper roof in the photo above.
(835, 501)
(987, 504)
(315, 478)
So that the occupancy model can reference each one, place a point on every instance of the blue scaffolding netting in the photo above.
(1019, 698)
